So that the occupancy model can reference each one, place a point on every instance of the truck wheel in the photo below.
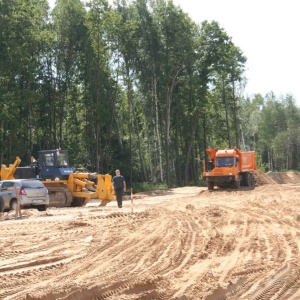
(210, 185)
(252, 180)
(247, 179)
(237, 183)
(1, 205)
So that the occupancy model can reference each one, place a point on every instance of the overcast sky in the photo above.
(267, 31)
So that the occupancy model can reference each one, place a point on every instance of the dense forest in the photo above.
(135, 85)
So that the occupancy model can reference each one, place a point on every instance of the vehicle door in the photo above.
(7, 192)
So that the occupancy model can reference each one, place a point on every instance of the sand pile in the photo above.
(285, 177)
(262, 178)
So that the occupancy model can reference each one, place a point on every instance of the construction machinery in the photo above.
(229, 167)
(66, 185)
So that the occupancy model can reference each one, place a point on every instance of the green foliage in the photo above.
(263, 167)
(136, 85)
(271, 127)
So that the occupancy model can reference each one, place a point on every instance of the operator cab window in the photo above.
(62, 159)
(49, 159)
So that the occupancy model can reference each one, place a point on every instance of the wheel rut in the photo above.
(220, 245)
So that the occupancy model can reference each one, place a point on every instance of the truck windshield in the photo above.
(225, 161)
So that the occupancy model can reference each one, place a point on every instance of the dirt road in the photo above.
(185, 243)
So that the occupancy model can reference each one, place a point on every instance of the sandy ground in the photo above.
(184, 243)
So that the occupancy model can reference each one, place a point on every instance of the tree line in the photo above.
(135, 85)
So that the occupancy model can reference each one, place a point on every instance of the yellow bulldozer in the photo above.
(67, 186)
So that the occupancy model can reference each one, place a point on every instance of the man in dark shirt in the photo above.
(119, 185)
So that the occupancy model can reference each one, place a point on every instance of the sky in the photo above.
(267, 31)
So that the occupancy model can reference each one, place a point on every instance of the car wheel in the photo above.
(13, 204)
(1, 205)
(42, 207)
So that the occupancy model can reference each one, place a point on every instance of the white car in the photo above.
(32, 193)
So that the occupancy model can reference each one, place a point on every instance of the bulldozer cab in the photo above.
(54, 164)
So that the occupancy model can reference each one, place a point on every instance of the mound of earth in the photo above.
(262, 178)
(285, 177)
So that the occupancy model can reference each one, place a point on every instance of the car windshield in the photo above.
(225, 161)
(32, 184)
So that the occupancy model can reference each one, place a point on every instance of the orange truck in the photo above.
(229, 167)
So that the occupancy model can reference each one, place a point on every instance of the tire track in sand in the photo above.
(230, 246)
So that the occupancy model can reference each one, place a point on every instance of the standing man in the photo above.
(119, 186)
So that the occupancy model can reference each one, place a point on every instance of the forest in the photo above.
(134, 85)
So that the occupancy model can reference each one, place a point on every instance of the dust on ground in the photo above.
(184, 243)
